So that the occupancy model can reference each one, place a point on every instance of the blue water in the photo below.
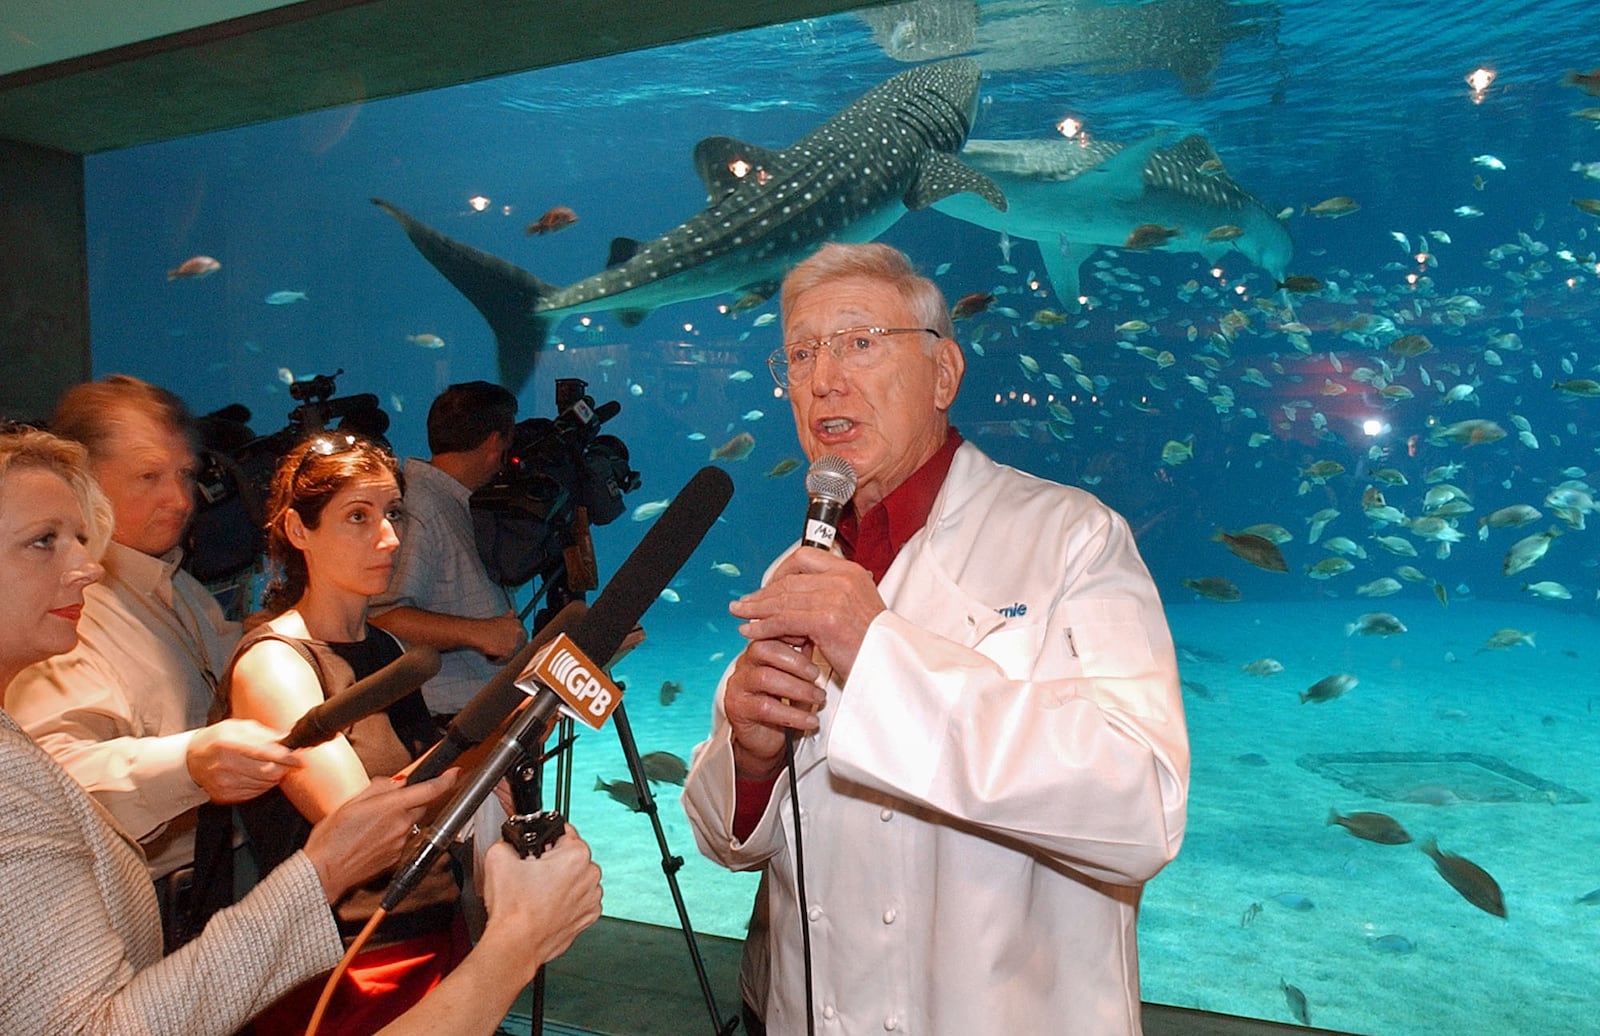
(1304, 102)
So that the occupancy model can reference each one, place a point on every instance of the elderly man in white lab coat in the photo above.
(988, 728)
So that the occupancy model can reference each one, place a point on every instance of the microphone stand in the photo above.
(670, 865)
(558, 591)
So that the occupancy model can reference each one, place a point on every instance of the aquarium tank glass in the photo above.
(1304, 290)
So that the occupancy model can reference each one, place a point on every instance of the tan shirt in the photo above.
(117, 711)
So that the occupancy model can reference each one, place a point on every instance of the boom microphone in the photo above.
(830, 483)
(493, 703)
(374, 693)
(597, 635)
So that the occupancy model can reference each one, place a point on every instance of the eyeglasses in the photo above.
(325, 444)
(857, 348)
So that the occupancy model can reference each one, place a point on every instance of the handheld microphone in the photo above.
(830, 483)
(361, 699)
(664, 550)
(493, 703)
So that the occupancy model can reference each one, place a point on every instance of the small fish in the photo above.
(284, 298)
(1383, 586)
(1131, 327)
(1322, 470)
(1470, 211)
(1225, 232)
(1149, 235)
(1296, 1001)
(1588, 82)
(1301, 284)
(1410, 345)
(752, 415)
(670, 595)
(1528, 550)
(1327, 568)
(783, 467)
(1333, 208)
(1263, 667)
(1372, 827)
(1467, 878)
(554, 219)
(740, 375)
(971, 305)
(1175, 452)
(736, 448)
(664, 768)
(1328, 688)
(670, 689)
(1294, 901)
(646, 511)
(425, 340)
(1590, 898)
(1500, 640)
(1489, 162)
(1258, 550)
(764, 320)
(1398, 945)
(1375, 624)
(286, 375)
(1251, 912)
(1214, 587)
(1549, 589)
(194, 268)
(620, 791)
(727, 568)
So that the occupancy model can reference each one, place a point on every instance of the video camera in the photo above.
(227, 535)
(527, 518)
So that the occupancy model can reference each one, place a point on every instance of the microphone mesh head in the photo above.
(831, 478)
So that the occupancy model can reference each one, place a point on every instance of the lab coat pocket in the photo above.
(1106, 636)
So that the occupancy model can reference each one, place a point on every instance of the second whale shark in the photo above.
(890, 151)
(1074, 196)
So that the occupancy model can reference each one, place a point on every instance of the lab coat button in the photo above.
(889, 915)
(891, 1023)
(815, 913)
(827, 1012)
(886, 815)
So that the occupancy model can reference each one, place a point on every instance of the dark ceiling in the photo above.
(322, 53)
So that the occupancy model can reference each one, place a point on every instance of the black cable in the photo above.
(800, 877)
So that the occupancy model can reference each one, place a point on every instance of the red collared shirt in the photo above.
(874, 540)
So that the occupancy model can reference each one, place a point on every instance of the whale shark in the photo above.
(1073, 196)
(890, 151)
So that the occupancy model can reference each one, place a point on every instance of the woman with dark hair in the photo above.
(82, 931)
(332, 531)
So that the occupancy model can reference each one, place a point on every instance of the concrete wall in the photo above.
(44, 290)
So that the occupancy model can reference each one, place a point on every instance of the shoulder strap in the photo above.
(223, 706)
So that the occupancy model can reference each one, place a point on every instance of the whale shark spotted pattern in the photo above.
(850, 179)
(1073, 196)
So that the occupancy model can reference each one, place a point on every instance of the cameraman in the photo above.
(440, 593)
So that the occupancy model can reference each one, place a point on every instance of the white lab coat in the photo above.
(1005, 767)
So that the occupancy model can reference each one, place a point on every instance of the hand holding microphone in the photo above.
(813, 598)
(813, 595)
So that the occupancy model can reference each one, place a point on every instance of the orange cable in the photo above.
(341, 967)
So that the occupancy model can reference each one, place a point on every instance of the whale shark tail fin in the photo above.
(506, 295)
